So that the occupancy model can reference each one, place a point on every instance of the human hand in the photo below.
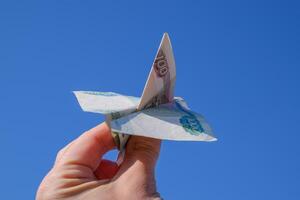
(80, 172)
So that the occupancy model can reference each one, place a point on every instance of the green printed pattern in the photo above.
(189, 122)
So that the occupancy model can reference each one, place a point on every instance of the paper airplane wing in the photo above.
(105, 102)
(169, 121)
(161, 80)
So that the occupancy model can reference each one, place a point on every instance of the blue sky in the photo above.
(237, 64)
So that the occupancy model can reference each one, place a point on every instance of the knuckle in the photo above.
(59, 154)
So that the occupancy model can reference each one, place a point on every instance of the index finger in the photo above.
(88, 149)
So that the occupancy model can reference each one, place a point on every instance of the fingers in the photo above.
(88, 149)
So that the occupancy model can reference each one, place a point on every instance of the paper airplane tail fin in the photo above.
(159, 87)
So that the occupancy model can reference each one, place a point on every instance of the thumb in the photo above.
(141, 155)
(136, 173)
(143, 149)
(137, 169)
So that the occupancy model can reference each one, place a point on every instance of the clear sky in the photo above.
(238, 64)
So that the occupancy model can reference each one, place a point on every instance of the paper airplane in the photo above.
(157, 113)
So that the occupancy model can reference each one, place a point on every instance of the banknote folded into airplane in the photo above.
(156, 114)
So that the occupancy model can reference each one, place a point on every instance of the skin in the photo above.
(80, 172)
